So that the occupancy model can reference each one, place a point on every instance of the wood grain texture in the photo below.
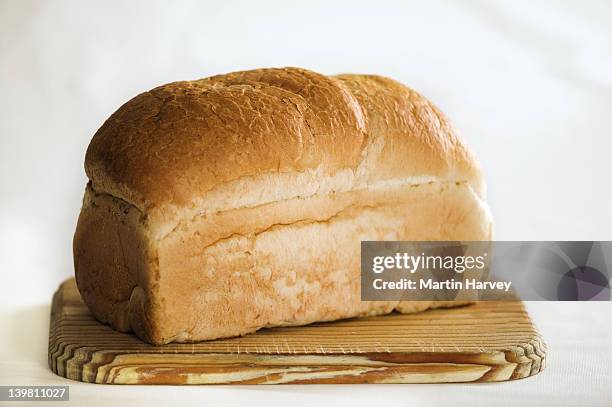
(488, 341)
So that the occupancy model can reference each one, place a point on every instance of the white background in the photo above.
(528, 84)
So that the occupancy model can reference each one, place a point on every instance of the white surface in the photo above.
(529, 85)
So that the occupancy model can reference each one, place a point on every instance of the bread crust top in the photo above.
(166, 149)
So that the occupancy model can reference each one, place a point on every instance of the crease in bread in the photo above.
(273, 188)
(220, 206)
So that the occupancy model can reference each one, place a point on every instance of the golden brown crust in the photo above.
(252, 191)
(110, 254)
(176, 142)
(180, 140)
(409, 135)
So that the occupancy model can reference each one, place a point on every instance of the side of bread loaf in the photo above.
(220, 206)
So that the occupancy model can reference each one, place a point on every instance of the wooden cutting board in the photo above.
(488, 341)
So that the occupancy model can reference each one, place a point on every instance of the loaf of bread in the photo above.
(220, 206)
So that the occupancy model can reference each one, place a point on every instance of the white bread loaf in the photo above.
(220, 206)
